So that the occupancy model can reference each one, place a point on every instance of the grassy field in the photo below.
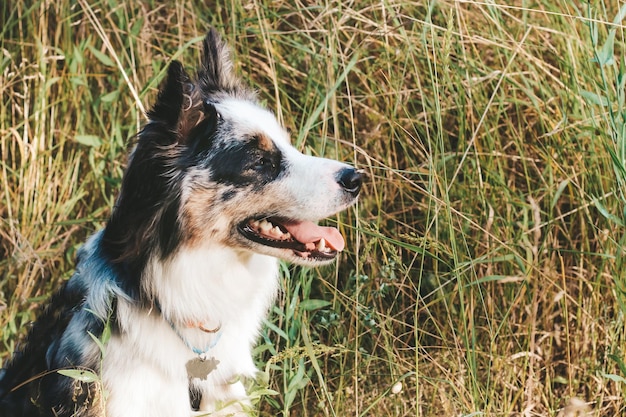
(484, 269)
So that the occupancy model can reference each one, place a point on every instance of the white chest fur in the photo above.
(147, 358)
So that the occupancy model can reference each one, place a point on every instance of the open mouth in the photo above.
(304, 238)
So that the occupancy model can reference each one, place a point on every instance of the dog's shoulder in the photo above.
(63, 335)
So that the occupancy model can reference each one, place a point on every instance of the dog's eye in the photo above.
(265, 164)
(268, 167)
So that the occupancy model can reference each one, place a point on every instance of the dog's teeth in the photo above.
(321, 245)
(286, 236)
(254, 224)
(276, 232)
(265, 226)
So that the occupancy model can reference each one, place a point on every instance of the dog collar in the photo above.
(198, 351)
(200, 326)
(201, 366)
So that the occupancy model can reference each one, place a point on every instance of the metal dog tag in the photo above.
(201, 368)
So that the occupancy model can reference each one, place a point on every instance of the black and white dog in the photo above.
(185, 270)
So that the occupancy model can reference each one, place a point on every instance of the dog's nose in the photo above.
(350, 180)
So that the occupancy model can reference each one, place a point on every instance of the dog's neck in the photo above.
(209, 286)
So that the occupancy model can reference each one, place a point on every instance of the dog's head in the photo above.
(214, 166)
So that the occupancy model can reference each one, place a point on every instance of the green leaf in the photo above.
(594, 98)
(492, 278)
(79, 375)
(106, 333)
(620, 15)
(558, 193)
(613, 377)
(102, 57)
(296, 383)
(98, 342)
(88, 140)
(608, 215)
(258, 393)
(52, 81)
(618, 360)
(311, 304)
(79, 80)
(108, 98)
(606, 54)
(276, 329)
(136, 27)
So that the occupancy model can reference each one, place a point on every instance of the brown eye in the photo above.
(265, 163)
(267, 167)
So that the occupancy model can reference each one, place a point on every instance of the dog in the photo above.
(167, 300)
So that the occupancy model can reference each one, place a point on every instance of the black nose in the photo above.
(350, 180)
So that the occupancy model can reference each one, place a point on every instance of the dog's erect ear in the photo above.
(167, 108)
(217, 73)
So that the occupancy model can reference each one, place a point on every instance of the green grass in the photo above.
(484, 269)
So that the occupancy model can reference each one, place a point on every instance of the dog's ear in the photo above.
(169, 104)
(179, 104)
(217, 73)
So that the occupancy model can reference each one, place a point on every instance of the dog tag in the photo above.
(201, 368)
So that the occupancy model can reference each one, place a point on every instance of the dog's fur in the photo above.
(182, 263)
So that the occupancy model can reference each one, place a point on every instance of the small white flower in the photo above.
(397, 388)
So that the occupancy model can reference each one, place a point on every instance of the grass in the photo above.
(484, 270)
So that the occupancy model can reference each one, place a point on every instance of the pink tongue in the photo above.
(308, 232)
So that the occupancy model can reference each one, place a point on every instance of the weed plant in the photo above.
(484, 273)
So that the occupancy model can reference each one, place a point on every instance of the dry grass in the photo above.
(485, 266)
